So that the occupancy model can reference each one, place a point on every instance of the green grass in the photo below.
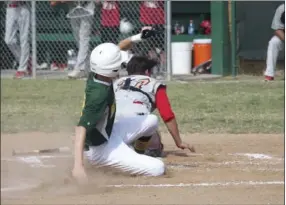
(218, 107)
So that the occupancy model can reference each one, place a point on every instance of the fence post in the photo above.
(34, 43)
(233, 39)
(220, 39)
(168, 40)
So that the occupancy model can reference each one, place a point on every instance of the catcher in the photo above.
(139, 94)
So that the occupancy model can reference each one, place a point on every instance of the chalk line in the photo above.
(224, 163)
(203, 184)
(11, 159)
(257, 156)
(34, 161)
(24, 187)
(20, 187)
(194, 167)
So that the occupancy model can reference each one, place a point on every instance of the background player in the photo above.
(18, 18)
(139, 94)
(276, 43)
(81, 27)
(104, 137)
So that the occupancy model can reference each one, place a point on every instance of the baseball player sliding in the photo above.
(276, 43)
(18, 18)
(139, 94)
(105, 138)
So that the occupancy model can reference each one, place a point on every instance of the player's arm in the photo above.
(280, 34)
(127, 43)
(80, 133)
(278, 23)
(92, 112)
(168, 116)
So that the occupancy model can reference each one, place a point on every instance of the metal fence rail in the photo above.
(55, 38)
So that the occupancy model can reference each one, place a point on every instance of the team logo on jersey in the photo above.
(142, 82)
(139, 83)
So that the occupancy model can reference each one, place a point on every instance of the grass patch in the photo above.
(223, 107)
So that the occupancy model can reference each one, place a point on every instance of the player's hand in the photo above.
(147, 32)
(79, 175)
(184, 145)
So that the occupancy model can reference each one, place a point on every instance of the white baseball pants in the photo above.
(81, 30)
(274, 46)
(18, 19)
(117, 152)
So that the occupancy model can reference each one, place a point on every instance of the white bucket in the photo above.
(181, 58)
(202, 41)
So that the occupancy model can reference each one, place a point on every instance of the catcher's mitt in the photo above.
(155, 152)
(152, 31)
(155, 146)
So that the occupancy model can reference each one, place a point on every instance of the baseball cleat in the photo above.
(268, 78)
(21, 74)
(76, 74)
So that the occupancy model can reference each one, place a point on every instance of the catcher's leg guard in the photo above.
(155, 146)
(141, 144)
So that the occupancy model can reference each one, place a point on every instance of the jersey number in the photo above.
(138, 85)
(142, 82)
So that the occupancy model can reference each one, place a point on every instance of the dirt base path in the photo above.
(227, 169)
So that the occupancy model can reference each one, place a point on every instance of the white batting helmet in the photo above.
(105, 60)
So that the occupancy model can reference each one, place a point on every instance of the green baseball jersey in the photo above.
(98, 111)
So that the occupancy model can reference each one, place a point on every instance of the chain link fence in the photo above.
(15, 30)
(67, 31)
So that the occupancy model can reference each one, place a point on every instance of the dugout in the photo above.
(239, 35)
(183, 11)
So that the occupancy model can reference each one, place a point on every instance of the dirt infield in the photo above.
(227, 169)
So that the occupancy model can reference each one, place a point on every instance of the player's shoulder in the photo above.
(157, 82)
(143, 77)
(97, 90)
(120, 79)
(280, 8)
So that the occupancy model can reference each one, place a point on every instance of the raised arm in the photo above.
(146, 32)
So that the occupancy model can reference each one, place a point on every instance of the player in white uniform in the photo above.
(139, 94)
(276, 44)
(105, 138)
(18, 18)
